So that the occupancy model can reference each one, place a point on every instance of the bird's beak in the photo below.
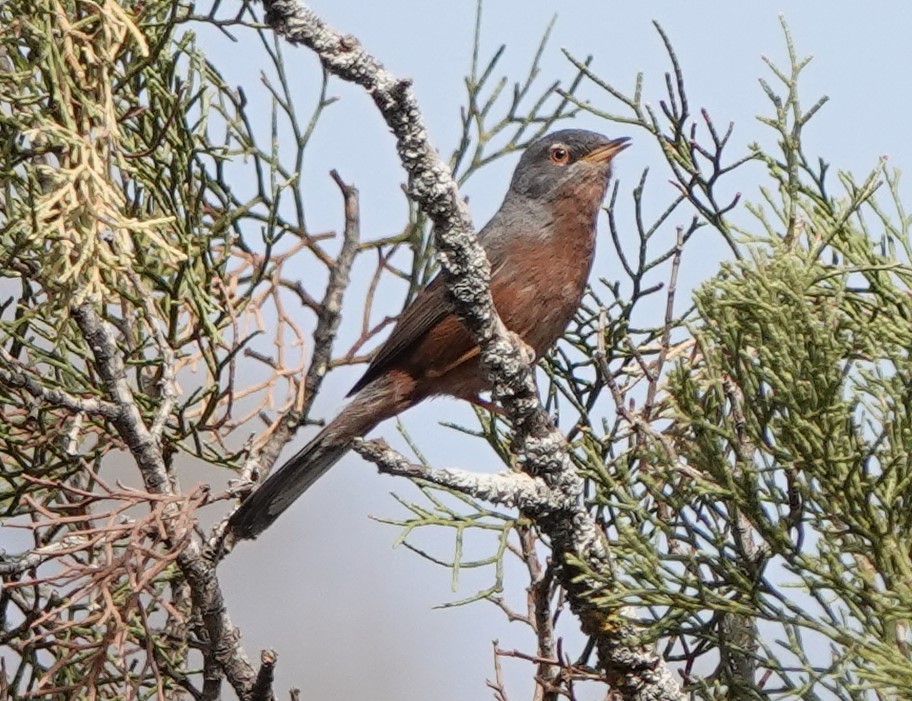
(605, 153)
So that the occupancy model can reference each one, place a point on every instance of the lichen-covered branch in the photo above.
(519, 490)
(636, 671)
(128, 421)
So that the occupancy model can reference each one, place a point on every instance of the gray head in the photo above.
(565, 158)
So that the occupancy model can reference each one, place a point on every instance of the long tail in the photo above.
(373, 404)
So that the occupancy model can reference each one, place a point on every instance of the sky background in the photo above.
(349, 615)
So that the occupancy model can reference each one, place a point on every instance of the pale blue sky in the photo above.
(348, 615)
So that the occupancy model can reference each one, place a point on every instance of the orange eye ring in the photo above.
(560, 154)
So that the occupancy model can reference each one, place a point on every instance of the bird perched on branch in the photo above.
(540, 244)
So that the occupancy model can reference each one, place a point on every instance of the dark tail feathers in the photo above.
(269, 500)
(382, 398)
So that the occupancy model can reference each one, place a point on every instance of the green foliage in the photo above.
(796, 411)
(752, 471)
(105, 169)
(116, 135)
(771, 506)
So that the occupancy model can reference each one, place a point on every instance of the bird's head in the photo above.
(559, 163)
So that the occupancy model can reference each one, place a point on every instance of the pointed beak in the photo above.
(605, 153)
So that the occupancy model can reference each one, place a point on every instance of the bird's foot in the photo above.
(488, 406)
(526, 352)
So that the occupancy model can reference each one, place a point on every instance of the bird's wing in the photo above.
(419, 317)
(428, 309)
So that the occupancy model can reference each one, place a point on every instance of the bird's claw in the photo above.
(526, 352)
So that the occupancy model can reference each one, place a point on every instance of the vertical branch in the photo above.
(329, 315)
(540, 591)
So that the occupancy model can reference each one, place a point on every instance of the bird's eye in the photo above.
(560, 154)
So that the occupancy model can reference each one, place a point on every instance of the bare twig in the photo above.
(539, 604)
(262, 688)
(260, 462)
(498, 686)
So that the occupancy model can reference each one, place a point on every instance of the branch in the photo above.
(127, 420)
(635, 671)
(538, 603)
(262, 688)
(56, 397)
(529, 494)
(167, 383)
(223, 653)
(11, 565)
(430, 185)
(329, 315)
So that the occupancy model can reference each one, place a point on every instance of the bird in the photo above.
(540, 244)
